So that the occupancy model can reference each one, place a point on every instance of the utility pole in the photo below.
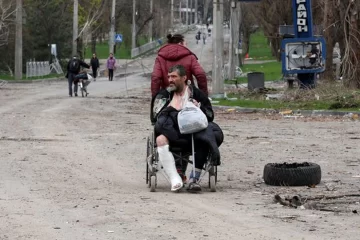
(221, 31)
(133, 41)
(112, 28)
(191, 12)
(18, 41)
(234, 38)
(196, 11)
(75, 27)
(151, 22)
(180, 15)
(172, 15)
(217, 76)
(187, 12)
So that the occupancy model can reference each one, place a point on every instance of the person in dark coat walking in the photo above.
(73, 69)
(173, 53)
(94, 65)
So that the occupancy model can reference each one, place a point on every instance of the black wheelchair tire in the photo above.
(146, 161)
(153, 183)
(212, 183)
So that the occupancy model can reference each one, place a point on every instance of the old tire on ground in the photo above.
(292, 174)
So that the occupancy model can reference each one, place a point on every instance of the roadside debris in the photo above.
(277, 96)
(320, 203)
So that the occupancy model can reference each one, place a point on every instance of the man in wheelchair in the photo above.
(165, 107)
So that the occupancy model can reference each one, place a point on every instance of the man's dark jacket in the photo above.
(166, 122)
(81, 64)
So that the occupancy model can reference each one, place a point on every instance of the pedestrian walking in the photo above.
(173, 53)
(73, 69)
(94, 65)
(110, 65)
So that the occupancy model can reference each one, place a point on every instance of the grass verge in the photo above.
(122, 51)
(327, 96)
(271, 70)
(12, 78)
(259, 47)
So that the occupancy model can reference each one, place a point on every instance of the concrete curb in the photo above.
(305, 113)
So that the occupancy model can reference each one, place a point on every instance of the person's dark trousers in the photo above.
(111, 74)
(94, 70)
(71, 78)
(201, 154)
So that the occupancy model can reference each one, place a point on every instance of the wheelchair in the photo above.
(181, 157)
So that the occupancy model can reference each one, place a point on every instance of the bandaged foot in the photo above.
(168, 162)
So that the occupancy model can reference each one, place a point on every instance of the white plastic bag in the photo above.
(89, 77)
(191, 119)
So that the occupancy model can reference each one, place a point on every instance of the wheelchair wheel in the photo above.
(212, 183)
(148, 151)
(153, 183)
(212, 178)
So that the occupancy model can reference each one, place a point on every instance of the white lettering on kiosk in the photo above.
(301, 12)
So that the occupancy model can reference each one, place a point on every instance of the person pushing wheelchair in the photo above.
(165, 108)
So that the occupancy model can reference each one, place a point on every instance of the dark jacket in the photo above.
(173, 54)
(81, 64)
(166, 123)
(94, 63)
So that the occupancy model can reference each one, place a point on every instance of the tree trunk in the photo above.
(206, 10)
(329, 19)
(351, 70)
(93, 41)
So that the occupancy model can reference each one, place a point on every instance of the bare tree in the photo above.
(87, 26)
(7, 15)
(271, 14)
(350, 19)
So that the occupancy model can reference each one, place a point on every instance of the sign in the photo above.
(302, 18)
(118, 38)
(53, 50)
(303, 55)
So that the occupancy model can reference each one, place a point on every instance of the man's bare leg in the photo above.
(168, 162)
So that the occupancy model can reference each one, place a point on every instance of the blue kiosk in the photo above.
(304, 54)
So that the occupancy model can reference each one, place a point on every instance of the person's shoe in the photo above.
(70, 95)
(75, 94)
(193, 187)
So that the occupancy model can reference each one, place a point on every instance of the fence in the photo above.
(39, 69)
(152, 45)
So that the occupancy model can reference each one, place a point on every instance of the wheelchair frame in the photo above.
(152, 164)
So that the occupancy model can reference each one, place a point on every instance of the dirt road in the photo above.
(74, 168)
